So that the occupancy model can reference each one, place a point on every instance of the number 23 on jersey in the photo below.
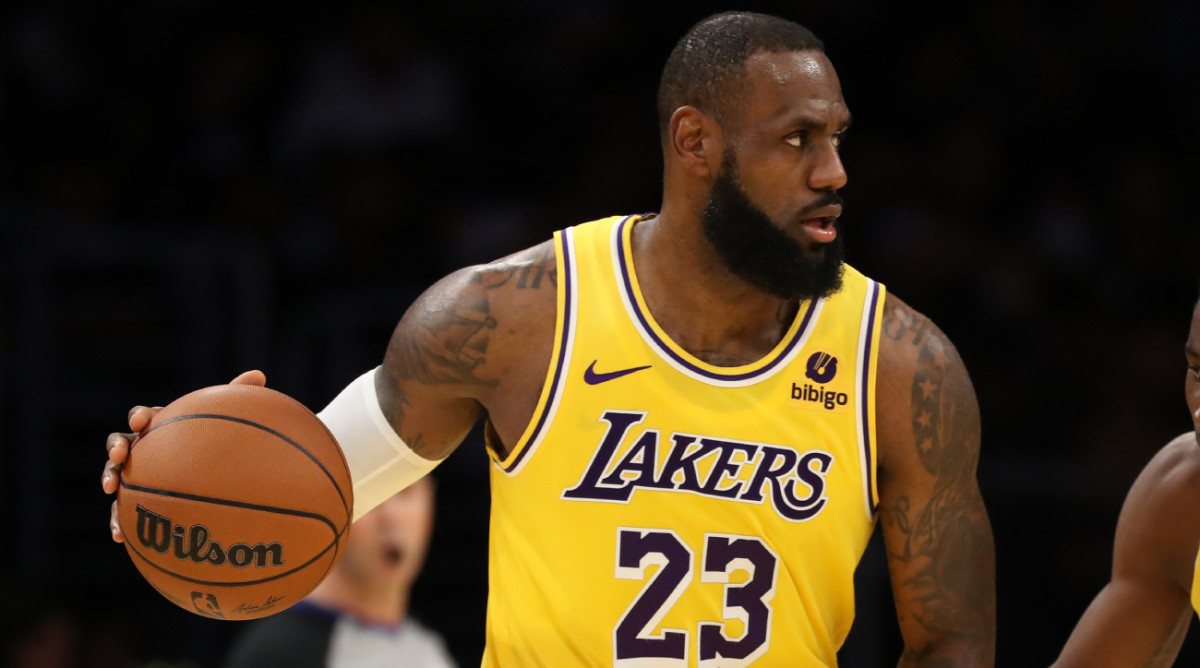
(635, 640)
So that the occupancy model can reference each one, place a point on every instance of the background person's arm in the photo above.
(1141, 616)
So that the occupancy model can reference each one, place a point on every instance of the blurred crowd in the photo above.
(189, 189)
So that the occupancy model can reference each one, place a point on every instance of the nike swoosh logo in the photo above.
(592, 378)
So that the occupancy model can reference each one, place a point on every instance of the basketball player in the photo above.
(357, 615)
(696, 417)
(1142, 615)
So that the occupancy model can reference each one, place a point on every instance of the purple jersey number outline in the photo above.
(724, 554)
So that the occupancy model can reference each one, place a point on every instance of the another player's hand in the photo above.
(118, 446)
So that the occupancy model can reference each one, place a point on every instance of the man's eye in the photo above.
(1194, 371)
(801, 139)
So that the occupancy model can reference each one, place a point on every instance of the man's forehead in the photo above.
(784, 67)
(791, 82)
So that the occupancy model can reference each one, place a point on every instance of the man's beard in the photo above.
(757, 251)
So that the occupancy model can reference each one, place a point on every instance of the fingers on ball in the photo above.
(119, 443)
(114, 526)
(109, 479)
(139, 417)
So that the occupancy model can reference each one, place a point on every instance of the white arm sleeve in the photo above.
(381, 464)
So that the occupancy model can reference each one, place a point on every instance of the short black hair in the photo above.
(707, 68)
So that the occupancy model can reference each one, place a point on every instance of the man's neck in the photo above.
(693, 296)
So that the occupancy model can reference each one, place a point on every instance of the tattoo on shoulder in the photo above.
(540, 270)
(900, 323)
(942, 539)
(444, 337)
(945, 417)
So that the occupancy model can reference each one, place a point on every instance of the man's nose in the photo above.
(828, 173)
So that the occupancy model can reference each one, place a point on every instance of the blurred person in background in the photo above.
(1142, 616)
(358, 616)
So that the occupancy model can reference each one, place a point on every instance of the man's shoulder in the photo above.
(531, 268)
(1182, 451)
(909, 338)
(526, 281)
(1158, 533)
(1172, 476)
(501, 311)
(427, 645)
(527, 275)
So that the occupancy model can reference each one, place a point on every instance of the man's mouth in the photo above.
(822, 229)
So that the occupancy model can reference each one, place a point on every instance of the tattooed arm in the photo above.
(1141, 617)
(935, 526)
(476, 343)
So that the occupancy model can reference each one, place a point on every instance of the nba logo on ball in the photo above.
(235, 502)
(822, 389)
(206, 604)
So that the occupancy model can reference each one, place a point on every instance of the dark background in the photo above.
(189, 189)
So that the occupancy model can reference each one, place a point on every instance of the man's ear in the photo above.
(695, 141)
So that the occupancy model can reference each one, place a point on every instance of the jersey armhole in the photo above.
(868, 364)
(560, 360)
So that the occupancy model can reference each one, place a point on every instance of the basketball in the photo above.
(235, 502)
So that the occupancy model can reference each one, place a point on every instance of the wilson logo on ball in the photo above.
(160, 534)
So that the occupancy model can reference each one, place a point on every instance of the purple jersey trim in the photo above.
(556, 383)
(866, 405)
(627, 285)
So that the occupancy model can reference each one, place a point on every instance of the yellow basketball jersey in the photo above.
(662, 511)
(1196, 586)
